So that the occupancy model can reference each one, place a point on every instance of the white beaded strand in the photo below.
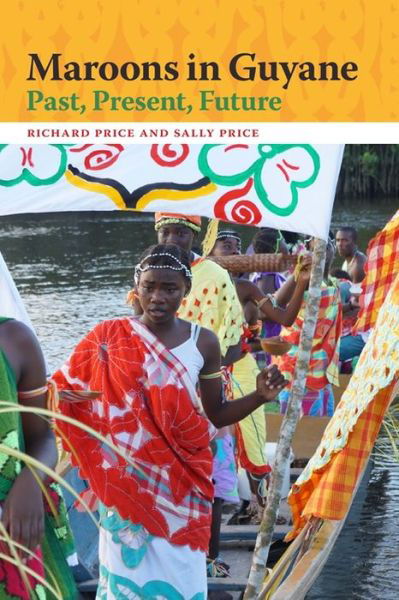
(140, 269)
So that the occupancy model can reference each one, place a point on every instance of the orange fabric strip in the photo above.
(328, 493)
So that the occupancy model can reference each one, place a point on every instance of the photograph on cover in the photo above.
(227, 250)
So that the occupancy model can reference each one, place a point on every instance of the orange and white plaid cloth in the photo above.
(325, 487)
(328, 493)
(381, 269)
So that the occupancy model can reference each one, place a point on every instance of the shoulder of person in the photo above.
(247, 287)
(115, 322)
(21, 333)
(207, 341)
(216, 268)
(107, 327)
(246, 284)
(208, 270)
(23, 351)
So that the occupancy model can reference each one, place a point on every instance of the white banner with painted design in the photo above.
(284, 186)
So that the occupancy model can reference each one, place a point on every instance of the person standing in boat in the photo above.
(213, 303)
(43, 536)
(345, 239)
(251, 431)
(155, 499)
(268, 241)
(324, 360)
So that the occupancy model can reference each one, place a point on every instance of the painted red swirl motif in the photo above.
(244, 212)
(166, 156)
(101, 158)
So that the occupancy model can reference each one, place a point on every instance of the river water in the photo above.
(74, 270)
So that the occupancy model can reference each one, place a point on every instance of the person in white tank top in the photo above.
(176, 356)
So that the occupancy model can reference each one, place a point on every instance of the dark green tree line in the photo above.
(369, 171)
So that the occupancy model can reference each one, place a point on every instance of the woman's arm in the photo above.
(275, 311)
(232, 355)
(284, 311)
(220, 412)
(38, 436)
(23, 513)
(284, 294)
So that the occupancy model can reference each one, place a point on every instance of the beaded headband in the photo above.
(181, 267)
(222, 235)
(176, 221)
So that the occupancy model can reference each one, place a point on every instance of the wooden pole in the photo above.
(288, 426)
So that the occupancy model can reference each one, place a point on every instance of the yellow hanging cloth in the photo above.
(210, 237)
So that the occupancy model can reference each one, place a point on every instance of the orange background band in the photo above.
(365, 32)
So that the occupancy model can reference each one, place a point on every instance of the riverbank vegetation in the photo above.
(369, 172)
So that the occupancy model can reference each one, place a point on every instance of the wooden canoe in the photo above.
(308, 566)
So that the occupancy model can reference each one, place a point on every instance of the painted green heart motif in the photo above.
(279, 170)
(27, 173)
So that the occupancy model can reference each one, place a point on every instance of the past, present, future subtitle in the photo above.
(102, 100)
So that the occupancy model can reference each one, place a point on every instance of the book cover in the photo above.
(267, 113)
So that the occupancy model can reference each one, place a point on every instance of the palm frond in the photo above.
(16, 550)
(13, 547)
(387, 446)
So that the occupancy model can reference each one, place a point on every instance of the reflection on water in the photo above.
(74, 270)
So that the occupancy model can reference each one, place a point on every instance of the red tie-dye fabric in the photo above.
(149, 409)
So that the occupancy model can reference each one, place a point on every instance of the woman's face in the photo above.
(226, 247)
(160, 292)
